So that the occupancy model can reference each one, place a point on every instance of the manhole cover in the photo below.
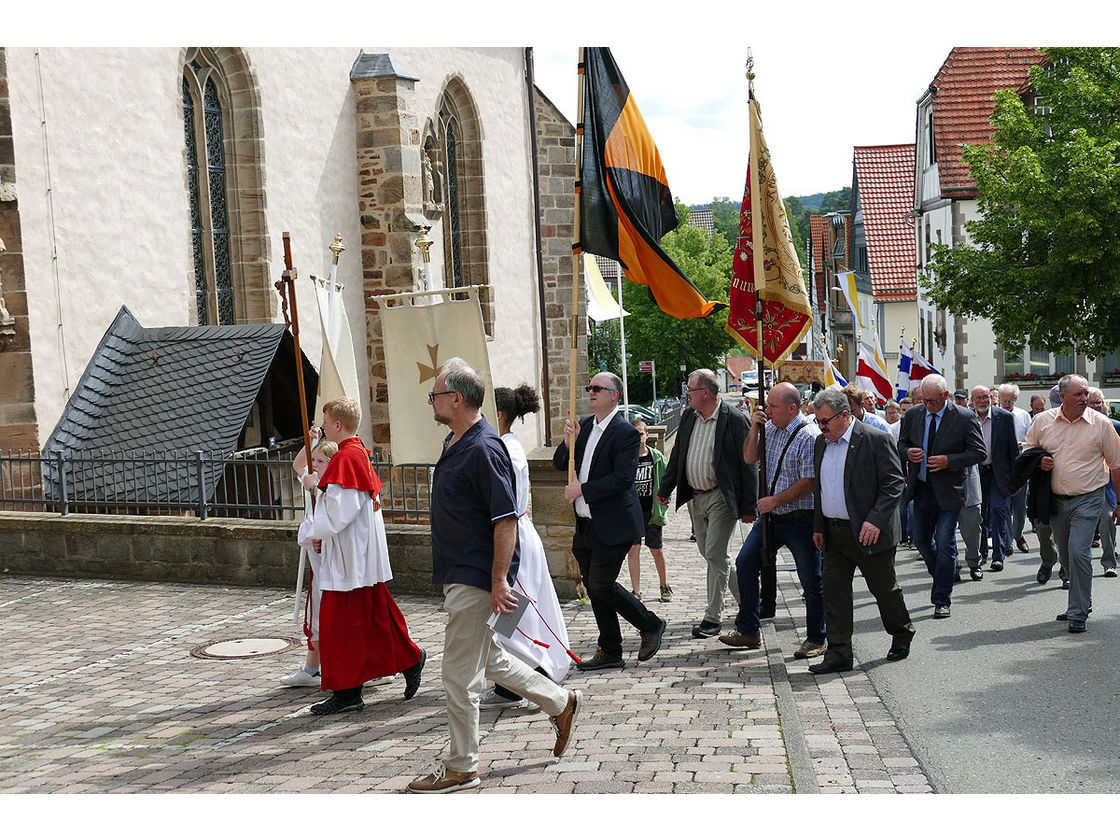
(243, 648)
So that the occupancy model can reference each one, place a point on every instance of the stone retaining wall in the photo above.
(171, 548)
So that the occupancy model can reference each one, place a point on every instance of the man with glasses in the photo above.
(608, 520)
(937, 441)
(707, 470)
(474, 559)
(787, 499)
(858, 484)
(1084, 449)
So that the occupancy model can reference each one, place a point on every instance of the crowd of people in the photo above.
(838, 485)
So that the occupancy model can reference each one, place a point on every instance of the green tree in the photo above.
(725, 218)
(672, 342)
(1045, 250)
(838, 201)
(604, 346)
(797, 230)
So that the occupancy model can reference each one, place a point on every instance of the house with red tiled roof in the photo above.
(954, 111)
(830, 253)
(883, 239)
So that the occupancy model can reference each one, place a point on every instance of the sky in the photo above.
(828, 75)
(814, 110)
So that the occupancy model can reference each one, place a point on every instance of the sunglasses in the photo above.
(824, 421)
(595, 389)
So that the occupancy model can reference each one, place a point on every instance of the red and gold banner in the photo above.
(786, 315)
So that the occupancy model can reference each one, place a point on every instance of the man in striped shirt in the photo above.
(786, 496)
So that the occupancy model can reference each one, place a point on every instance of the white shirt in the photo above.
(1022, 420)
(355, 552)
(833, 505)
(597, 429)
(875, 420)
(894, 427)
(986, 432)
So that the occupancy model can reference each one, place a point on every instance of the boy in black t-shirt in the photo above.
(651, 467)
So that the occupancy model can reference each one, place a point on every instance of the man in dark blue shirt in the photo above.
(474, 551)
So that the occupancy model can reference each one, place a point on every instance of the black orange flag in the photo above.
(624, 198)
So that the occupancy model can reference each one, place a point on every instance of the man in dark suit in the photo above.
(709, 474)
(856, 525)
(937, 441)
(1001, 448)
(608, 520)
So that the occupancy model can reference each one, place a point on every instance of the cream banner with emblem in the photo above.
(421, 331)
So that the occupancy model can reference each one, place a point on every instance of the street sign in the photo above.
(645, 367)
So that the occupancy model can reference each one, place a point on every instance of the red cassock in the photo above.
(362, 633)
(362, 636)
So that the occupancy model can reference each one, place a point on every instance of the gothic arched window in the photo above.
(464, 219)
(221, 124)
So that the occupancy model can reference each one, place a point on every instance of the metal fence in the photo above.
(671, 419)
(255, 484)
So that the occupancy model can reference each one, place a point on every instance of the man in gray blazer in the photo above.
(937, 441)
(856, 525)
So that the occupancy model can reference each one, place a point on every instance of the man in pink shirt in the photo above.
(1083, 447)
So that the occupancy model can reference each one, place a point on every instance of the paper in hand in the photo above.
(506, 623)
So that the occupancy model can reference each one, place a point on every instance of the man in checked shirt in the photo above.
(786, 495)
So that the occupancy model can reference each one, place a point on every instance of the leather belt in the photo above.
(838, 523)
(782, 517)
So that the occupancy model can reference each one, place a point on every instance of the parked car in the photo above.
(647, 414)
(1113, 408)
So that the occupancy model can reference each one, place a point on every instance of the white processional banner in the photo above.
(338, 373)
(419, 337)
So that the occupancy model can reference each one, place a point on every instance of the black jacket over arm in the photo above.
(1027, 467)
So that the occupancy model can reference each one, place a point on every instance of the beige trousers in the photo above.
(470, 658)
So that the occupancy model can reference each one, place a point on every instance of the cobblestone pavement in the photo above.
(100, 693)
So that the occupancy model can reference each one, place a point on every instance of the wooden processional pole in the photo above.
(287, 288)
(576, 251)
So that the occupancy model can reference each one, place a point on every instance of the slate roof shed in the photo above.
(152, 398)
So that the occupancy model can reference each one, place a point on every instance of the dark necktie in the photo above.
(929, 444)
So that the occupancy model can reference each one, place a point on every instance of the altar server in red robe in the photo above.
(362, 633)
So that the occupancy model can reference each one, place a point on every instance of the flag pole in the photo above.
(622, 338)
(758, 264)
(576, 250)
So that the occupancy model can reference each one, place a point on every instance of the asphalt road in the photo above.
(1000, 697)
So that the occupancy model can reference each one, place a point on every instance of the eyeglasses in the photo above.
(934, 401)
(595, 389)
(824, 421)
(433, 394)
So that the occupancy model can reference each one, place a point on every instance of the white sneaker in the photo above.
(381, 681)
(492, 700)
(301, 679)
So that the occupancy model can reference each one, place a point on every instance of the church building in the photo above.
(163, 179)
